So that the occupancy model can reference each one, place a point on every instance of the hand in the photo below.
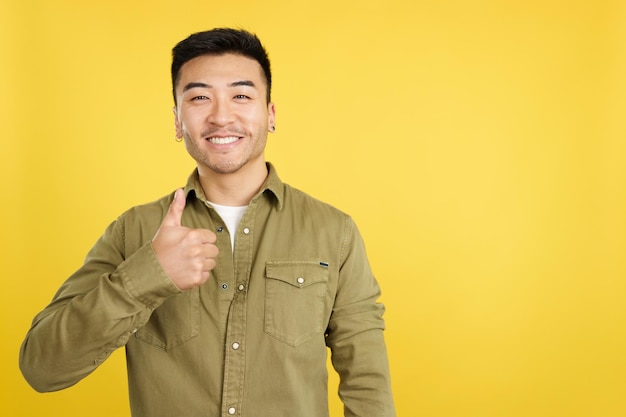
(186, 255)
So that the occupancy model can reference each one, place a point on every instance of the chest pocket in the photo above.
(174, 322)
(294, 300)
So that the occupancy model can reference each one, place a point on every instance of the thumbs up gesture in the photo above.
(186, 255)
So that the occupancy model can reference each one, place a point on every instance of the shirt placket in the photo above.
(234, 358)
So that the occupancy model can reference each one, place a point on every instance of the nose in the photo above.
(221, 113)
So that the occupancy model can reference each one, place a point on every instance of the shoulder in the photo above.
(322, 217)
(154, 209)
(292, 200)
(298, 199)
(136, 226)
(140, 222)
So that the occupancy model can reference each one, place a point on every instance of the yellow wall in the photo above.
(480, 145)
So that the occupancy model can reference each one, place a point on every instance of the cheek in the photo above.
(190, 123)
(260, 119)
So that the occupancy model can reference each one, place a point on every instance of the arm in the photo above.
(355, 336)
(124, 279)
(94, 312)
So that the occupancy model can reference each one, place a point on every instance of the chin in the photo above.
(226, 167)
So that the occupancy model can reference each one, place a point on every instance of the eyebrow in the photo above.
(191, 85)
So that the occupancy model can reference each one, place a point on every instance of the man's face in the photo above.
(222, 112)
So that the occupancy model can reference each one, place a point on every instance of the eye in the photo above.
(199, 98)
(241, 97)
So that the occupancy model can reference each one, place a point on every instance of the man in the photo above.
(226, 293)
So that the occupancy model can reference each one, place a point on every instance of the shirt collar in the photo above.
(272, 186)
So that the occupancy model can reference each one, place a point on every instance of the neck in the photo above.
(235, 189)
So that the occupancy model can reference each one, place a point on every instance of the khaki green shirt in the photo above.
(251, 342)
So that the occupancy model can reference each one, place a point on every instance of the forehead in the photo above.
(215, 69)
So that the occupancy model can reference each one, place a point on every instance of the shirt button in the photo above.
(246, 231)
(224, 286)
(220, 229)
(300, 280)
(232, 410)
(241, 287)
(235, 346)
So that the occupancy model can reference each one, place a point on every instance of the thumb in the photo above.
(175, 212)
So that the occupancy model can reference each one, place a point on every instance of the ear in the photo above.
(177, 124)
(271, 117)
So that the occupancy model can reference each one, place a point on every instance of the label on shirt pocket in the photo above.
(174, 322)
(294, 300)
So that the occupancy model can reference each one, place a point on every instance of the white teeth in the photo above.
(223, 141)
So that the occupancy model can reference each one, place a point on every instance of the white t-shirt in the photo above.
(232, 216)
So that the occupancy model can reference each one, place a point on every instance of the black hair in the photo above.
(220, 41)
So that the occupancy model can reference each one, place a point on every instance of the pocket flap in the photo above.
(298, 274)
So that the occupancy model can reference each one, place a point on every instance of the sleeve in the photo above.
(355, 335)
(94, 312)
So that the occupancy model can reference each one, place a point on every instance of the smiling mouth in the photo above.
(223, 141)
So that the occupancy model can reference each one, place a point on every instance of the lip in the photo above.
(222, 139)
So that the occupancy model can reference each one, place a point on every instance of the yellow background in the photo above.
(480, 146)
